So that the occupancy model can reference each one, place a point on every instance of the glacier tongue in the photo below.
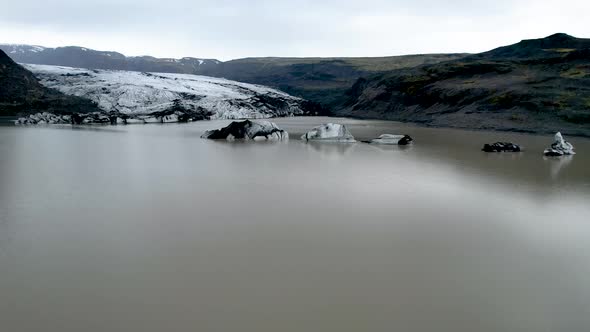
(135, 93)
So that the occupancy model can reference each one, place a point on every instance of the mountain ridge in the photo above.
(535, 85)
(321, 80)
(519, 87)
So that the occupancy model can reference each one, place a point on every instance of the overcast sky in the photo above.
(229, 29)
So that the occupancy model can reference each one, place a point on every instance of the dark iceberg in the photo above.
(248, 130)
(501, 147)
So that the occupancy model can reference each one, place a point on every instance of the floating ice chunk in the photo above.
(248, 130)
(560, 147)
(392, 139)
(329, 132)
(170, 118)
(501, 147)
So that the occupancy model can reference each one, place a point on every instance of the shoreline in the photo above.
(5, 120)
(424, 124)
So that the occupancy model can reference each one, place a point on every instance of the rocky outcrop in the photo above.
(21, 93)
(44, 118)
(329, 132)
(560, 147)
(389, 139)
(501, 147)
(113, 118)
(248, 130)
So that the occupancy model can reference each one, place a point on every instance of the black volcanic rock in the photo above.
(501, 147)
(20, 93)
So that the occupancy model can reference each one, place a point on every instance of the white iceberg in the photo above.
(392, 140)
(329, 132)
(560, 147)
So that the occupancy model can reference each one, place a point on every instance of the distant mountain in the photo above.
(536, 85)
(80, 57)
(322, 80)
(136, 93)
(21, 93)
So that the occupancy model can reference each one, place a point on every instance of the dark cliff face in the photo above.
(535, 85)
(20, 92)
(15, 81)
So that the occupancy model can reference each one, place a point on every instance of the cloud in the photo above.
(228, 29)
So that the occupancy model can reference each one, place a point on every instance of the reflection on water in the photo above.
(558, 164)
(394, 148)
(331, 150)
(149, 228)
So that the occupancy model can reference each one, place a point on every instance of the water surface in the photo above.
(149, 228)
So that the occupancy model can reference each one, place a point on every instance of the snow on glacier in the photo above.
(143, 93)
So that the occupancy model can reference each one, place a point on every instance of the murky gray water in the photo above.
(149, 228)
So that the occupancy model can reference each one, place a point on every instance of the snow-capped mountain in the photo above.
(82, 57)
(20, 49)
(134, 93)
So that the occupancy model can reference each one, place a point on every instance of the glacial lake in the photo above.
(150, 228)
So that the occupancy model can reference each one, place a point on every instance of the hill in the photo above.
(549, 47)
(21, 93)
(537, 85)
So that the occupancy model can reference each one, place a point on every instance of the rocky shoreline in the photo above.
(569, 130)
(110, 118)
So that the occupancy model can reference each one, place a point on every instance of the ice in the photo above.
(249, 130)
(329, 132)
(129, 92)
(560, 147)
(390, 139)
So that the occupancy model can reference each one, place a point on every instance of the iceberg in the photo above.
(390, 139)
(501, 147)
(248, 130)
(329, 132)
(560, 147)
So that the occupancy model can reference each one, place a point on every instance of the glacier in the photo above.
(137, 95)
